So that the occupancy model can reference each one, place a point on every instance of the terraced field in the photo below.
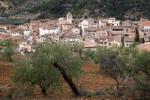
(91, 81)
(6, 71)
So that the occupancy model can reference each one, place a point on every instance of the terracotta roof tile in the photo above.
(146, 23)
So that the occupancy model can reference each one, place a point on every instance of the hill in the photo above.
(121, 9)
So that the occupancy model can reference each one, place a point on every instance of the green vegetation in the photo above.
(6, 20)
(142, 74)
(116, 63)
(7, 50)
(47, 64)
(51, 62)
(122, 9)
(124, 65)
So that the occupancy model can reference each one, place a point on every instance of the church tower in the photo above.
(69, 18)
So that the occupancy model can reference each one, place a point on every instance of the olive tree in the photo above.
(78, 48)
(29, 73)
(89, 55)
(142, 73)
(7, 50)
(115, 62)
(47, 64)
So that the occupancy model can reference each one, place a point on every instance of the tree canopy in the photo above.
(142, 73)
(47, 64)
(7, 50)
(116, 63)
(123, 9)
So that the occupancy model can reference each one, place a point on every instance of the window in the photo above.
(109, 44)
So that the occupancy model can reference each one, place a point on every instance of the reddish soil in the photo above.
(90, 81)
(5, 73)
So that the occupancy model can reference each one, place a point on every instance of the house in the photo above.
(90, 43)
(90, 32)
(101, 32)
(3, 31)
(4, 37)
(27, 32)
(24, 47)
(113, 22)
(127, 23)
(147, 39)
(40, 39)
(66, 23)
(116, 31)
(84, 25)
(114, 41)
(16, 32)
(144, 31)
(55, 38)
(103, 22)
(3, 27)
(34, 27)
(146, 25)
(94, 23)
(128, 41)
(24, 26)
(49, 30)
(76, 31)
(66, 26)
(102, 41)
(129, 31)
(68, 19)
(76, 22)
(71, 38)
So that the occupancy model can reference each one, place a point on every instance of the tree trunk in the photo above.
(10, 59)
(117, 84)
(122, 40)
(67, 79)
(119, 90)
(43, 89)
(80, 54)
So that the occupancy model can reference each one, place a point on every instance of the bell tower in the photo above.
(69, 18)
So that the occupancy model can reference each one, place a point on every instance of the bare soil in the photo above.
(90, 81)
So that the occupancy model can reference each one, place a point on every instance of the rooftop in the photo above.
(146, 23)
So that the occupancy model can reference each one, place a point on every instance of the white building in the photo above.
(75, 31)
(128, 42)
(114, 43)
(40, 39)
(102, 23)
(69, 18)
(49, 30)
(84, 25)
(24, 47)
(3, 31)
(113, 22)
(27, 32)
(71, 38)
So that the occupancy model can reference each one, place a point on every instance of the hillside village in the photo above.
(75, 59)
(89, 32)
